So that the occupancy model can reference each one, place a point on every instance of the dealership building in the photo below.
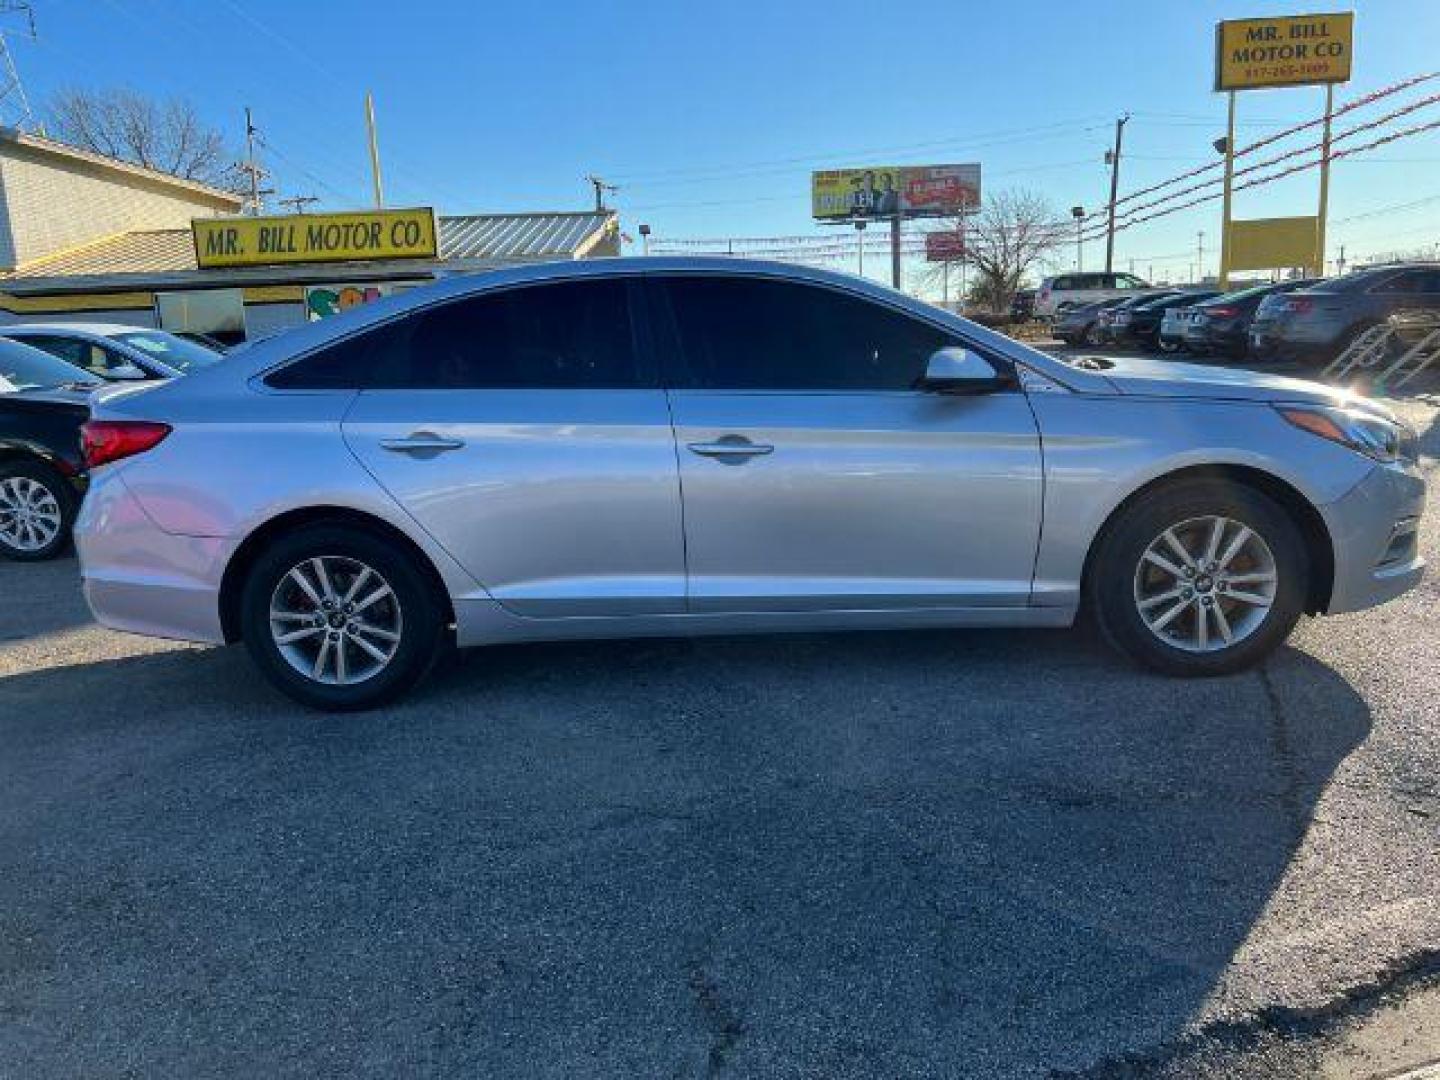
(86, 237)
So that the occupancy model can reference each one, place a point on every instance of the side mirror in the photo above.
(953, 370)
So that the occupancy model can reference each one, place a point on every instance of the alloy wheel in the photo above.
(30, 517)
(335, 620)
(1205, 584)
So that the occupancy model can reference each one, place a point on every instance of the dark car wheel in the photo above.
(1203, 578)
(37, 510)
(1169, 347)
(340, 619)
(1091, 335)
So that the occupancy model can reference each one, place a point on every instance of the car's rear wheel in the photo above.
(1091, 335)
(1167, 345)
(339, 619)
(1204, 578)
(37, 509)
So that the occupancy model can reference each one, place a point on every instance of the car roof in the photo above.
(262, 355)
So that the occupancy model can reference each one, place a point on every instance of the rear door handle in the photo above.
(422, 443)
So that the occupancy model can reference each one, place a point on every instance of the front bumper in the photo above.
(137, 577)
(1375, 531)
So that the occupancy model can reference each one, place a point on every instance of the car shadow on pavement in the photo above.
(874, 854)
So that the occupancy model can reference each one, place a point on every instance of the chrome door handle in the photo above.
(422, 442)
(730, 449)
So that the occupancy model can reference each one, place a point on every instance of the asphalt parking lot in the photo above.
(912, 854)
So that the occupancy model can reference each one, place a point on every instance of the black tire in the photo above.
(422, 631)
(1090, 336)
(65, 498)
(1111, 577)
(1169, 348)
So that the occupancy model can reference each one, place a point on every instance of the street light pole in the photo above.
(1078, 213)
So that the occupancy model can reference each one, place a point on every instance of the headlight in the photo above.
(1368, 434)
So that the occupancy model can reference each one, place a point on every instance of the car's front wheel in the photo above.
(1203, 578)
(37, 509)
(339, 619)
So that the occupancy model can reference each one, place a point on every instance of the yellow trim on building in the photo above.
(38, 305)
(274, 294)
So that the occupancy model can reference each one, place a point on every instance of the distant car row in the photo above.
(47, 373)
(1307, 320)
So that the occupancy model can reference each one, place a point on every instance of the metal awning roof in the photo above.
(166, 257)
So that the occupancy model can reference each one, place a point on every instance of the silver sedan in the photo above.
(668, 446)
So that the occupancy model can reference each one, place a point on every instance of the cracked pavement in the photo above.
(912, 854)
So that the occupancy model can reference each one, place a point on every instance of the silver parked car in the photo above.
(686, 446)
(115, 351)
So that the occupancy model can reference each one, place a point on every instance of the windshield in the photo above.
(24, 368)
(170, 350)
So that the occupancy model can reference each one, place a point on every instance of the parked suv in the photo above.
(1317, 322)
(1068, 290)
(1222, 324)
(603, 449)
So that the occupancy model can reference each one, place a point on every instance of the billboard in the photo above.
(883, 191)
(1290, 50)
(944, 246)
(311, 238)
(1271, 243)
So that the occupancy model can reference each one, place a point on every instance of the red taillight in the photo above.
(1298, 305)
(103, 441)
(1222, 312)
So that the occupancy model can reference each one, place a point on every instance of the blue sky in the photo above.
(710, 116)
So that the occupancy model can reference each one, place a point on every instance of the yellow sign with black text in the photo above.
(1291, 50)
(312, 238)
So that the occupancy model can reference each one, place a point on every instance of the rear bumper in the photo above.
(1375, 532)
(139, 578)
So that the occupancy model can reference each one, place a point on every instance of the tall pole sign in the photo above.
(1256, 54)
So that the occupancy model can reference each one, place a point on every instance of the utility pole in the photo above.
(374, 151)
(1340, 262)
(1112, 159)
(1078, 213)
(251, 169)
(297, 203)
(601, 187)
(1200, 252)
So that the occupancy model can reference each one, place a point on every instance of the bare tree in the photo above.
(119, 123)
(1013, 231)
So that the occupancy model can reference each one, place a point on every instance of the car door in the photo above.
(526, 431)
(815, 476)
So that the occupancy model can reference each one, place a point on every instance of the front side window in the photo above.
(569, 335)
(738, 333)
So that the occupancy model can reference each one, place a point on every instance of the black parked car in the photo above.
(1077, 324)
(1114, 322)
(1319, 321)
(43, 402)
(1143, 327)
(1222, 325)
